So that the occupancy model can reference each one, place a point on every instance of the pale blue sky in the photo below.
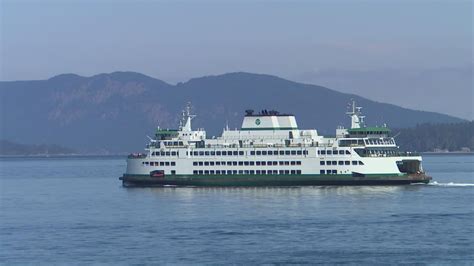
(174, 41)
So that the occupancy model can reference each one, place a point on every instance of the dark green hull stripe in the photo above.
(269, 128)
(271, 180)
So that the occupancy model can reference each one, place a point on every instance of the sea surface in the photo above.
(75, 211)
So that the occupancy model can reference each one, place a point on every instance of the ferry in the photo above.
(271, 150)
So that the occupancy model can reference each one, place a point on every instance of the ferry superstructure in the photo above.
(270, 150)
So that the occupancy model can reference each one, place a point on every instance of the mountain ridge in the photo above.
(117, 110)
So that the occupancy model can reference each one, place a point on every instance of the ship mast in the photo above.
(185, 123)
(357, 119)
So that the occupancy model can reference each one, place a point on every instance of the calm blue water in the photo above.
(75, 211)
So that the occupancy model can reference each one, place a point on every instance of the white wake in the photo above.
(450, 184)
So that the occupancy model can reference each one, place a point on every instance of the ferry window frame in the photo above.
(347, 162)
(224, 153)
(293, 163)
(213, 153)
(235, 153)
(259, 153)
(323, 152)
(211, 163)
(282, 152)
(195, 172)
(206, 153)
(218, 163)
(206, 163)
(322, 163)
(293, 152)
(241, 153)
(257, 163)
(161, 164)
(241, 163)
(252, 163)
(201, 163)
(287, 152)
(167, 163)
(263, 163)
(270, 152)
(218, 153)
(334, 171)
(252, 152)
(201, 153)
(299, 152)
(173, 163)
(275, 163)
(340, 163)
(361, 163)
(329, 152)
(298, 172)
(264, 152)
(341, 152)
(298, 162)
(173, 172)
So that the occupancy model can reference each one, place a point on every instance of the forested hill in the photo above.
(430, 137)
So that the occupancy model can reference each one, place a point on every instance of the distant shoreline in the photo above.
(447, 153)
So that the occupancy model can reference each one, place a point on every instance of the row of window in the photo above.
(328, 172)
(159, 163)
(247, 172)
(333, 152)
(164, 153)
(341, 163)
(280, 152)
(241, 153)
(173, 143)
(247, 163)
(258, 153)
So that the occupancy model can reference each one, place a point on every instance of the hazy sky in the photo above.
(299, 40)
(177, 40)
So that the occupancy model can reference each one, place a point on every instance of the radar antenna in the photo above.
(185, 122)
(357, 119)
